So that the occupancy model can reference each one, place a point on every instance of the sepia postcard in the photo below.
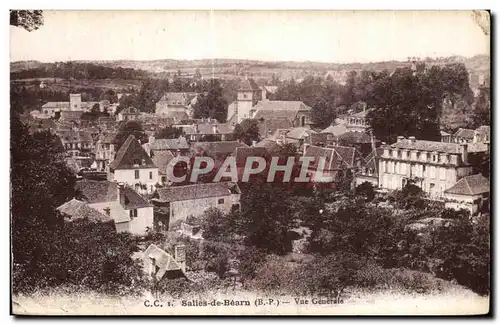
(232, 162)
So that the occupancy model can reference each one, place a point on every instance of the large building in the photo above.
(433, 166)
(252, 103)
(75, 104)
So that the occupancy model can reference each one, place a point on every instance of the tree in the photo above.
(27, 19)
(482, 108)
(247, 131)
(266, 216)
(367, 190)
(168, 133)
(321, 114)
(212, 104)
(219, 226)
(130, 128)
(109, 95)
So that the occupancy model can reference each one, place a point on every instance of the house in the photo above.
(445, 136)
(469, 193)
(160, 265)
(357, 122)
(368, 172)
(78, 210)
(76, 142)
(105, 151)
(176, 203)
(174, 146)
(129, 211)
(482, 134)
(128, 114)
(433, 166)
(251, 99)
(133, 166)
(298, 135)
(463, 136)
(176, 105)
(208, 132)
(341, 163)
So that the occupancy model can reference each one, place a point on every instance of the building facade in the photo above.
(433, 166)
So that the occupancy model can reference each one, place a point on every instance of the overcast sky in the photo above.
(326, 36)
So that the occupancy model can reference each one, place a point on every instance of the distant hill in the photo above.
(235, 67)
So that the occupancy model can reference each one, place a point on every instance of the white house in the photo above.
(134, 167)
(109, 200)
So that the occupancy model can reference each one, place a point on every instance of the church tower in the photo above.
(247, 99)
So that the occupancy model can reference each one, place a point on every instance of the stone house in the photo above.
(175, 204)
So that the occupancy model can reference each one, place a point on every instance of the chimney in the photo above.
(305, 149)
(412, 139)
(215, 129)
(180, 256)
(463, 151)
(254, 143)
(400, 138)
(121, 194)
(195, 126)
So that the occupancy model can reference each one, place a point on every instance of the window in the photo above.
(220, 201)
(133, 213)
(136, 174)
(434, 158)
(150, 175)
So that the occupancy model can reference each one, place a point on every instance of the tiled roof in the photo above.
(195, 191)
(269, 126)
(218, 147)
(131, 155)
(97, 191)
(207, 128)
(279, 108)
(71, 115)
(336, 157)
(161, 158)
(371, 161)
(176, 115)
(169, 144)
(163, 260)
(133, 200)
(336, 130)
(248, 84)
(299, 133)
(453, 148)
(464, 133)
(75, 210)
(60, 105)
(470, 185)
